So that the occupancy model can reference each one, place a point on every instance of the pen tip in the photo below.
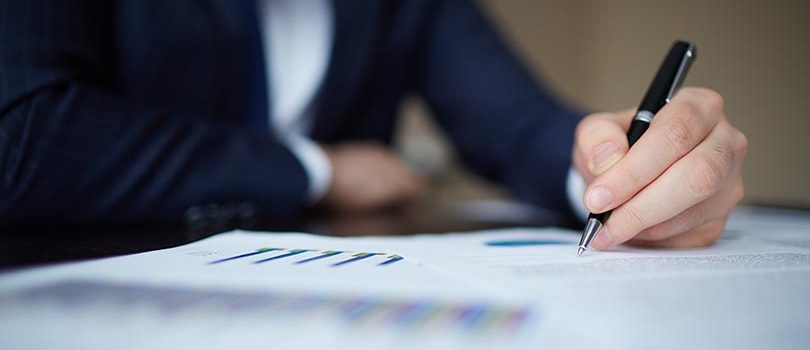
(580, 251)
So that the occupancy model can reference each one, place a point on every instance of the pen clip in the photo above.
(686, 61)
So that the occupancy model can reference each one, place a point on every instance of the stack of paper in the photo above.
(511, 289)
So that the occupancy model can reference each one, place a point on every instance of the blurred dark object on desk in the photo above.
(19, 248)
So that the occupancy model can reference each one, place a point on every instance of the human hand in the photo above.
(679, 182)
(368, 177)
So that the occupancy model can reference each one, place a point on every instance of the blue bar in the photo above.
(526, 242)
(291, 253)
(257, 252)
(325, 254)
(391, 259)
(357, 257)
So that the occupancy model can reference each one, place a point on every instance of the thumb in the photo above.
(602, 141)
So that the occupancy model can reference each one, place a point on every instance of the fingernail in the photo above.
(604, 157)
(599, 199)
(603, 239)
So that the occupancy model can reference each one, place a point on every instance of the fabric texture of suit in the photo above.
(135, 112)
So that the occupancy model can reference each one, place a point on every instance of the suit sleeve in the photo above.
(505, 125)
(73, 152)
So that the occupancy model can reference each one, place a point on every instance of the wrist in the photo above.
(316, 163)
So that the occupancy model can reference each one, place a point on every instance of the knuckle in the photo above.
(691, 107)
(594, 131)
(742, 144)
(712, 99)
(723, 154)
(706, 175)
(590, 125)
(586, 122)
(702, 97)
(678, 135)
(689, 115)
(582, 126)
(706, 98)
(582, 131)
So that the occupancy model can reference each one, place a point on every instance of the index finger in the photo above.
(676, 129)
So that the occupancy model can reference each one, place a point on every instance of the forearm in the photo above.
(506, 124)
(73, 155)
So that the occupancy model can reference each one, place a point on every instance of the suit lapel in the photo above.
(357, 24)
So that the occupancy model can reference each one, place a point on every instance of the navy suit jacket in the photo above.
(136, 112)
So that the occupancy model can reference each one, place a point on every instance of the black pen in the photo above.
(669, 77)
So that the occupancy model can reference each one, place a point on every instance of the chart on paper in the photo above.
(331, 258)
(281, 261)
(505, 289)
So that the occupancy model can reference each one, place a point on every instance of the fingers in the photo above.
(403, 183)
(691, 180)
(676, 130)
(382, 178)
(676, 186)
(715, 208)
(601, 142)
(701, 236)
(368, 177)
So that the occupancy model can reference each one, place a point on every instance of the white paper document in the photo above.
(510, 289)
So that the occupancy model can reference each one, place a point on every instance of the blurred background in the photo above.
(601, 55)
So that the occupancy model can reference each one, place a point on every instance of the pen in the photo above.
(669, 77)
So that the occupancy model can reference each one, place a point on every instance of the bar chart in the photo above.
(298, 256)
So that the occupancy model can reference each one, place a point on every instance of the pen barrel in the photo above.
(637, 128)
(669, 76)
(602, 217)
